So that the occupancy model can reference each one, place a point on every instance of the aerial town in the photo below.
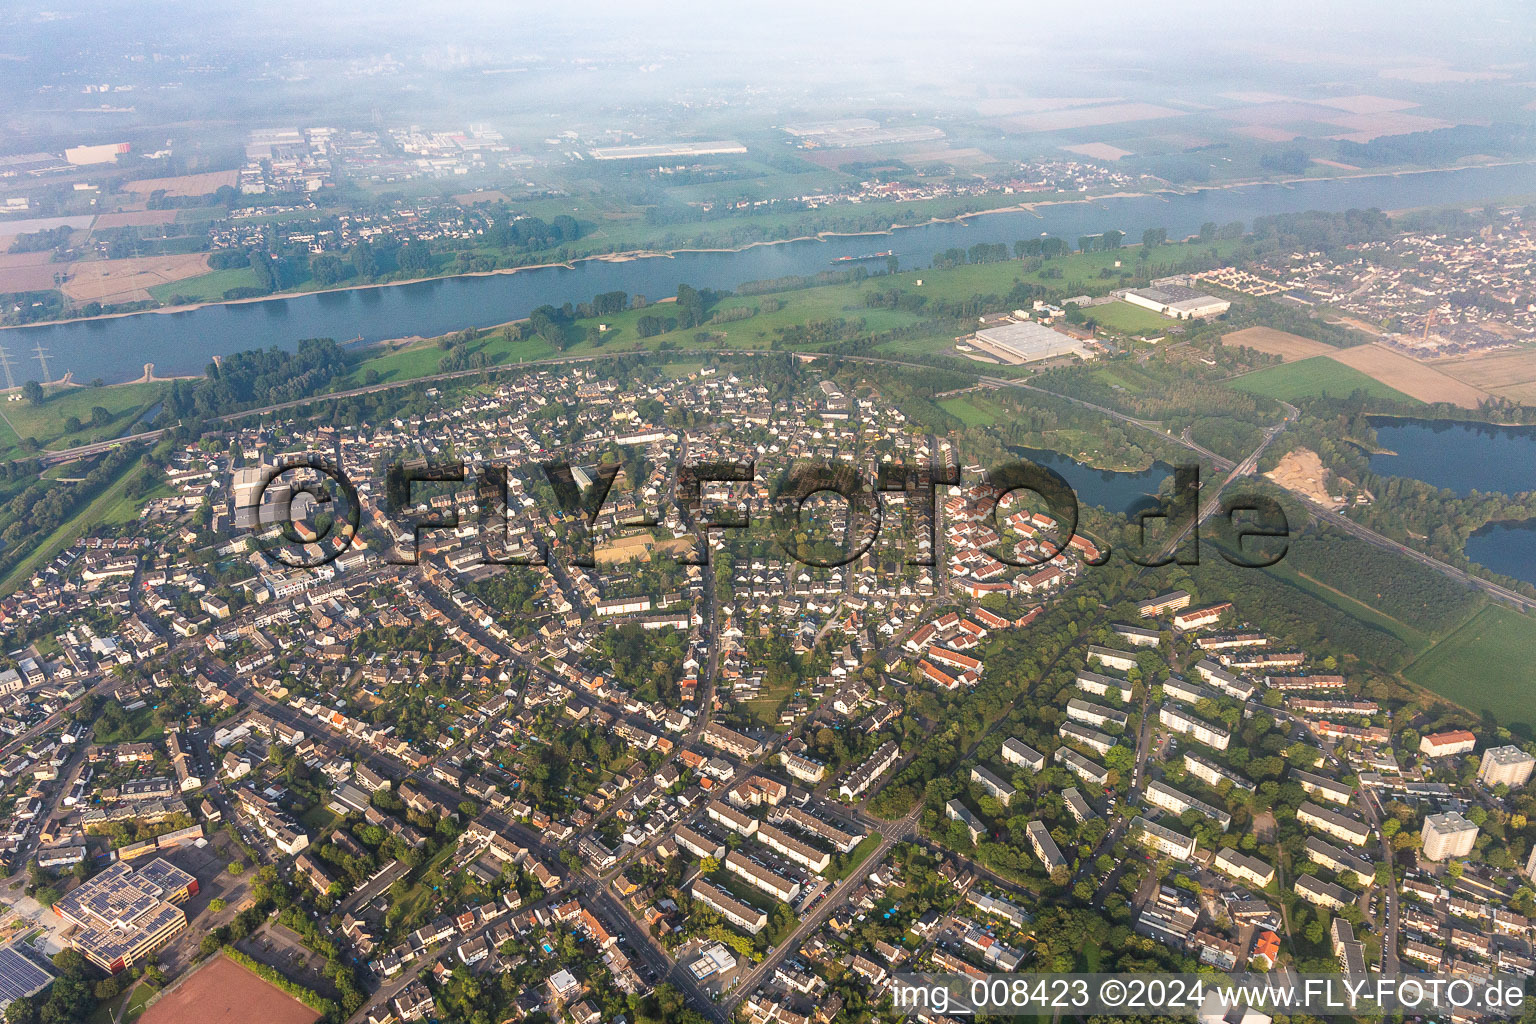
(418, 782)
(623, 513)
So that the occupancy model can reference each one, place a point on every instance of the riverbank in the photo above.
(1024, 206)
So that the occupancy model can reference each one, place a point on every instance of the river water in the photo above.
(182, 343)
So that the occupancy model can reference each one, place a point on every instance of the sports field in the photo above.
(1313, 378)
(1128, 319)
(972, 410)
(223, 992)
(1484, 665)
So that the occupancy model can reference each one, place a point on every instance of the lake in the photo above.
(184, 343)
(1467, 457)
(1123, 492)
(1508, 548)
(1460, 456)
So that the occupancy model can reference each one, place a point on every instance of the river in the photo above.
(116, 349)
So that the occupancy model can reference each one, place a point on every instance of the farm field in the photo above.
(1510, 375)
(129, 280)
(185, 185)
(1289, 347)
(1314, 377)
(1482, 666)
(1411, 377)
(29, 271)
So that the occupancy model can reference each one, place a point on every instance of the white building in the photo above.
(1508, 765)
(1447, 835)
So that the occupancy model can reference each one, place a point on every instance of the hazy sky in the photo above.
(413, 59)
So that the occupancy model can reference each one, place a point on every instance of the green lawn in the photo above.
(209, 287)
(422, 359)
(47, 422)
(110, 500)
(1128, 319)
(1314, 378)
(971, 410)
(1485, 665)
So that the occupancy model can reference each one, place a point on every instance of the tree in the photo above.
(236, 868)
(32, 391)
(415, 256)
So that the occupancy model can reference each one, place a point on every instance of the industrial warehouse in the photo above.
(1025, 341)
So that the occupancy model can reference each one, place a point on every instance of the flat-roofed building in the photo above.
(1026, 341)
(1507, 765)
(1177, 302)
(1351, 953)
(1023, 755)
(122, 915)
(1162, 839)
(1244, 868)
(1333, 823)
(1044, 846)
(1448, 835)
(749, 919)
(1172, 601)
(22, 973)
